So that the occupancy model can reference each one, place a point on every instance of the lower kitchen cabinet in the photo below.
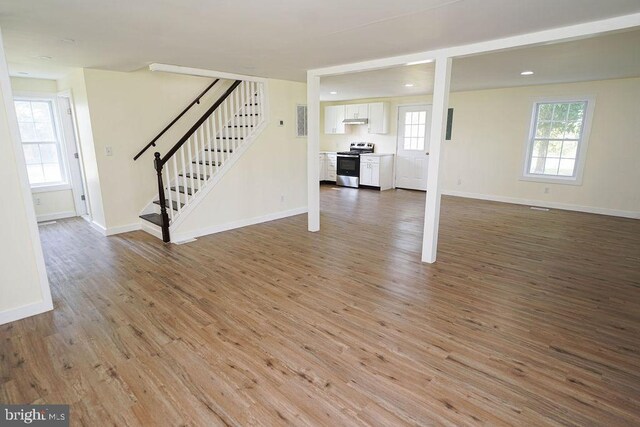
(376, 170)
(328, 164)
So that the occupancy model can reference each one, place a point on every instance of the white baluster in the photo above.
(208, 144)
(177, 181)
(226, 122)
(190, 160)
(219, 133)
(167, 177)
(261, 101)
(184, 176)
(214, 141)
(242, 118)
(196, 140)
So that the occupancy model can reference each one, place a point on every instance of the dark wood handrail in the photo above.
(195, 127)
(194, 102)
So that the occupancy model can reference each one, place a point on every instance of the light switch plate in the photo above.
(108, 151)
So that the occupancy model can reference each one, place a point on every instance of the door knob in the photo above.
(427, 153)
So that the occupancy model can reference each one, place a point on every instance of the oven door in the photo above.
(348, 165)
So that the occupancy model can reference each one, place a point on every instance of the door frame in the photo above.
(395, 158)
(72, 145)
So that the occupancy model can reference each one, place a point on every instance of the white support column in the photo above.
(313, 149)
(438, 123)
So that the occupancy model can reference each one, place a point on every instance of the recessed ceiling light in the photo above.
(425, 61)
(526, 73)
(23, 73)
(333, 92)
(408, 85)
(45, 57)
(70, 41)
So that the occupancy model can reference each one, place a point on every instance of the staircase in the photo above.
(193, 166)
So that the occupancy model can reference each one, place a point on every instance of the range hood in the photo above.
(355, 121)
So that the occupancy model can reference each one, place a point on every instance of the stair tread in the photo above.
(199, 176)
(251, 104)
(239, 126)
(207, 163)
(240, 115)
(173, 202)
(229, 137)
(190, 191)
(153, 218)
(219, 150)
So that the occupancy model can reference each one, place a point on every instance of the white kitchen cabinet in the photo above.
(376, 170)
(322, 158)
(327, 165)
(332, 164)
(357, 111)
(333, 118)
(379, 117)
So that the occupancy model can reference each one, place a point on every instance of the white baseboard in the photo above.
(54, 216)
(544, 204)
(116, 230)
(123, 229)
(189, 235)
(21, 312)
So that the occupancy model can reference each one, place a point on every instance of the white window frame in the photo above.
(65, 184)
(581, 154)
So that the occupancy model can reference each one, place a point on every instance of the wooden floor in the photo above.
(528, 318)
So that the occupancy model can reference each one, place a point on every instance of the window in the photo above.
(301, 120)
(556, 145)
(40, 142)
(415, 123)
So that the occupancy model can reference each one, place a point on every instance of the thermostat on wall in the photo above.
(280, 123)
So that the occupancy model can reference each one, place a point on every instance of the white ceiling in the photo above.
(605, 57)
(278, 39)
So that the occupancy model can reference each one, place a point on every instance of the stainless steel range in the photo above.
(348, 168)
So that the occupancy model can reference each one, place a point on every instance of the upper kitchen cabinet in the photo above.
(333, 118)
(357, 111)
(379, 117)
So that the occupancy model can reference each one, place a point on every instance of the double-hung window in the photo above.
(40, 141)
(556, 147)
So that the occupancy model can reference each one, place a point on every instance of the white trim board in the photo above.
(24, 311)
(111, 231)
(190, 235)
(544, 204)
(201, 72)
(55, 215)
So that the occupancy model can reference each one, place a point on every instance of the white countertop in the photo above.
(377, 154)
(328, 152)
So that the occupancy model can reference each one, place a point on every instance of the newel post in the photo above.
(163, 202)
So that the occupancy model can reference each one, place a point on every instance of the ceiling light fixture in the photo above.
(526, 73)
(408, 85)
(23, 73)
(333, 92)
(70, 41)
(45, 57)
(425, 61)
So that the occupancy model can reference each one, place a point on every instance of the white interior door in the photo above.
(412, 156)
(73, 155)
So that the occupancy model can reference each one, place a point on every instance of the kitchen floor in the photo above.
(528, 318)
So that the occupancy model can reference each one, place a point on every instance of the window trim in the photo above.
(581, 154)
(65, 184)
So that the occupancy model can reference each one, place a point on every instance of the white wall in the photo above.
(270, 179)
(490, 128)
(24, 288)
(48, 204)
(127, 110)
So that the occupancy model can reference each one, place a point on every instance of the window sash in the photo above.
(37, 179)
(531, 143)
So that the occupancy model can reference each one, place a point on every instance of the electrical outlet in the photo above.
(459, 181)
(546, 190)
(282, 198)
(108, 150)
(38, 201)
(280, 123)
